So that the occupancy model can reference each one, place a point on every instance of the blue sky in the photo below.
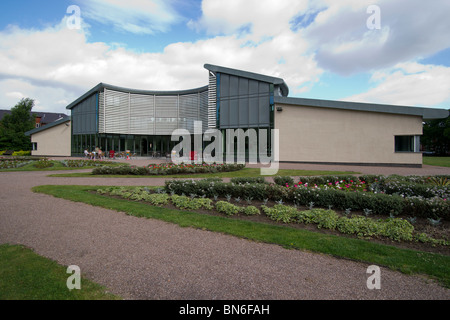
(323, 49)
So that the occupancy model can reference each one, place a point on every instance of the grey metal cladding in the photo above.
(144, 113)
(243, 102)
(84, 116)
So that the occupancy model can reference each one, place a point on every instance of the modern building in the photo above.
(309, 130)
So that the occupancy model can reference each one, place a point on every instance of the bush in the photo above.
(323, 218)
(280, 212)
(168, 169)
(251, 210)
(247, 180)
(283, 180)
(21, 153)
(257, 191)
(392, 228)
(227, 208)
(42, 164)
(184, 202)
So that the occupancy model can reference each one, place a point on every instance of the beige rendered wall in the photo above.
(313, 134)
(54, 141)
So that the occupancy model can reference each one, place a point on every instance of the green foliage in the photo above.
(280, 212)
(361, 226)
(167, 169)
(247, 180)
(14, 125)
(323, 218)
(12, 164)
(21, 153)
(283, 180)
(227, 208)
(251, 211)
(442, 181)
(187, 203)
(44, 163)
(84, 163)
(436, 135)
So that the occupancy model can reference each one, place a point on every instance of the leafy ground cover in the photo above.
(362, 224)
(39, 164)
(252, 223)
(25, 275)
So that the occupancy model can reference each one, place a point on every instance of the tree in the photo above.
(436, 136)
(13, 126)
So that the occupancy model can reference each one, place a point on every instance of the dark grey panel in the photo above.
(264, 103)
(243, 102)
(84, 116)
(253, 103)
(234, 101)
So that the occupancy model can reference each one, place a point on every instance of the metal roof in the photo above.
(250, 75)
(102, 86)
(426, 113)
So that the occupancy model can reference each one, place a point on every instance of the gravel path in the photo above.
(149, 259)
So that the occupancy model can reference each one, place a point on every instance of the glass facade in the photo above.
(119, 119)
(139, 145)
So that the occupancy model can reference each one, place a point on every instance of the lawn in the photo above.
(246, 172)
(437, 161)
(434, 265)
(25, 275)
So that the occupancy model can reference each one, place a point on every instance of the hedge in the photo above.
(167, 169)
(378, 203)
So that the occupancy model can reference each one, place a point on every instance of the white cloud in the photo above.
(134, 16)
(253, 18)
(409, 30)
(410, 84)
(56, 65)
(64, 64)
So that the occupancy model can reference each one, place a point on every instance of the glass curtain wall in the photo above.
(140, 145)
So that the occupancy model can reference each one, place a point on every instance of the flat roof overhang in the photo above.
(425, 113)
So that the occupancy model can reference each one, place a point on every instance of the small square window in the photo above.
(407, 143)
(34, 146)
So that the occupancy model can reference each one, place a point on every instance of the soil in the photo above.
(442, 231)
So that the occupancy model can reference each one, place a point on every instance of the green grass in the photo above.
(25, 275)
(408, 261)
(437, 161)
(246, 172)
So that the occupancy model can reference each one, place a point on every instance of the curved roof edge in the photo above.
(250, 75)
(102, 86)
(425, 113)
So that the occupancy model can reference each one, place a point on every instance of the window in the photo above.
(407, 143)
(34, 146)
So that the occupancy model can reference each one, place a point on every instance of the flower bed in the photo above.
(345, 195)
(12, 164)
(84, 163)
(392, 228)
(167, 169)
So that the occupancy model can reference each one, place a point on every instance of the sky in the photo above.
(375, 51)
